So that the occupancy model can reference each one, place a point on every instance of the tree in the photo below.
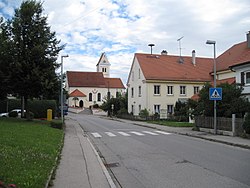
(5, 58)
(120, 103)
(181, 111)
(232, 102)
(35, 50)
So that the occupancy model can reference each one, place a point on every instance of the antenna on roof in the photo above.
(151, 46)
(180, 59)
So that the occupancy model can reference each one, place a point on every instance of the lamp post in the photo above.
(62, 117)
(215, 114)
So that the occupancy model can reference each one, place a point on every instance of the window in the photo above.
(117, 94)
(156, 90)
(132, 92)
(108, 95)
(182, 90)
(99, 97)
(104, 70)
(139, 108)
(196, 89)
(170, 90)
(247, 77)
(170, 109)
(90, 96)
(133, 110)
(157, 108)
(139, 91)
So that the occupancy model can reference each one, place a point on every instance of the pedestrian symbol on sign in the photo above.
(215, 93)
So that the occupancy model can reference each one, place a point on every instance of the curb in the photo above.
(104, 169)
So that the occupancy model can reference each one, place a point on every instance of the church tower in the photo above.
(103, 65)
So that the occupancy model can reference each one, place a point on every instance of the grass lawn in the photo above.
(172, 123)
(27, 151)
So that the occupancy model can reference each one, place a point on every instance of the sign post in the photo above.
(215, 94)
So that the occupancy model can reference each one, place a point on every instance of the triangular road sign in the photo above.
(215, 94)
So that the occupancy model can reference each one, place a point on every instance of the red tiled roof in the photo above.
(85, 79)
(167, 67)
(228, 80)
(77, 93)
(237, 54)
(195, 97)
(114, 83)
(92, 79)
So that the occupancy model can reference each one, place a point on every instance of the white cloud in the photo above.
(121, 28)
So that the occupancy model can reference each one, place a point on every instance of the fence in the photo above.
(233, 125)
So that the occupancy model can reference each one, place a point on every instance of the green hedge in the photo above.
(37, 107)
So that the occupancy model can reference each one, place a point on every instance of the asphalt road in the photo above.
(140, 157)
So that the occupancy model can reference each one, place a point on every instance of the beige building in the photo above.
(156, 82)
(88, 88)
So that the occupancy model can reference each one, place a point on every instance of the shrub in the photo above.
(95, 106)
(144, 113)
(56, 124)
(38, 107)
(31, 115)
(122, 111)
(13, 114)
(246, 124)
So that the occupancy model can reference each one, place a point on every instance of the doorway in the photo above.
(81, 104)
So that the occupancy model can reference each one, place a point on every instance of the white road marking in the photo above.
(162, 132)
(110, 134)
(137, 133)
(96, 135)
(151, 133)
(124, 134)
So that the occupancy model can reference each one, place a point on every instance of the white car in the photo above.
(6, 114)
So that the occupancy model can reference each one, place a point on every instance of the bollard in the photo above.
(49, 115)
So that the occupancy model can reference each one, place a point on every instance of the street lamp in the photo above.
(215, 121)
(62, 117)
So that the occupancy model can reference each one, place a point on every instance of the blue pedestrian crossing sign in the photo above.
(215, 94)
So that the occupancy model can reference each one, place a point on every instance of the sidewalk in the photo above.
(229, 140)
(80, 165)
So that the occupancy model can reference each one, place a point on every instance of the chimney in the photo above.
(164, 52)
(248, 39)
(193, 57)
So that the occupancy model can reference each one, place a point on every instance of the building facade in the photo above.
(157, 82)
(86, 89)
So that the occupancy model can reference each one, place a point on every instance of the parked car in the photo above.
(6, 114)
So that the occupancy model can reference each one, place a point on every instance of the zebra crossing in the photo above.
(129, 133)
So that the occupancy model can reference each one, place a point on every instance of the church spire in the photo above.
(103, 65)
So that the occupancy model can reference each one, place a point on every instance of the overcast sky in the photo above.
(123, 27)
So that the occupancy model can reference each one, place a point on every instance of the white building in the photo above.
(88, 88)
(156, 82)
